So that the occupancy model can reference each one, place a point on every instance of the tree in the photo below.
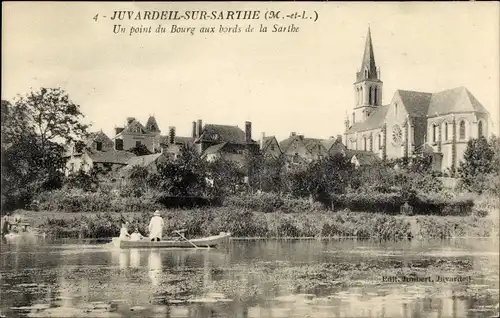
(140, 150)
(34, 128)
(184, 176)
(478, 165)
(226, 176)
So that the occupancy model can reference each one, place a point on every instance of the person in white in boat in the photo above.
(156, 227)
(124, 232)
(136, 236)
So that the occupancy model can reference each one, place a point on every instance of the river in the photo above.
(252, 278)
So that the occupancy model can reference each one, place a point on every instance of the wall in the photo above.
(76, 163)
(395, 117)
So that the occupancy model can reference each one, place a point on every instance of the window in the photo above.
(152, 127)
(379, 141)
(118, 144)
(357, 95)
(365, 147)
(480, 129)
(370, 95)
(272, 147)
(138, 143)
(353, 117)
(461, 130)
(434, 132)
(375, 99)
(396, 109)
(98, 145)
(366, 73)
(445, 131)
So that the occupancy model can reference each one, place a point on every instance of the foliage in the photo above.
(226, 175)
(140, 150)
(183, 177)
(479, 170)
(87, 181)
(34, 128)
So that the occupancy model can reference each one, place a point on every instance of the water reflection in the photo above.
(135, 258)
(252, 279)
(155, 266)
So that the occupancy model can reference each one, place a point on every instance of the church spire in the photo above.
(368, 67)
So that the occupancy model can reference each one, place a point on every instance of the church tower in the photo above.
(368, 86)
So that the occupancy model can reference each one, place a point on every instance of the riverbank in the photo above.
(246, 223)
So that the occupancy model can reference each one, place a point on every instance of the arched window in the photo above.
(434, 132)
(366, 73)
(365, 147)
(480, 129)
(461, 130)
(375, 99)
(396, 108)
(369, 95)
(445, 131)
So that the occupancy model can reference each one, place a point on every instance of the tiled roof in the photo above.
(114, 156)
(143, 161)
(224, 133)
(215, 148)
(152, 121)
(178, 140)
(415, 103)
(375, 120)
(454, 100)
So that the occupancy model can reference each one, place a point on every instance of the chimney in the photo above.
(194, 130)
(263, 135)
(171, 135)
(248, 132)
(199, 128)
(293, 134)
(130, 119)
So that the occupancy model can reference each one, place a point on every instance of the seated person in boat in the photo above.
(124, 232)
(156, 227)
(136, 236)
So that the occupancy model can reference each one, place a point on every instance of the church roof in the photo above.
(453, 101)
(368, 62)
(375, 120)
(416, 103)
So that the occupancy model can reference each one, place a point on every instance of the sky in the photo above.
(281, 82)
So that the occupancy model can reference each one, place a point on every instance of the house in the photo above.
(230, 142)
(134, 134)
(439, 123)
(150, 162)
(97, 152)
(299, 149)
(269, 146)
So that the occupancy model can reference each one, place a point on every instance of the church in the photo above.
(413, 123)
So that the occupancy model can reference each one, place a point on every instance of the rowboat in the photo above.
(204, 242)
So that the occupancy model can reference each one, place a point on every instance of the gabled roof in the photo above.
(214, 149)
(267, 141)
(151, 122)
(143, 161)
(415, 103)
(457, 99)
(223, 133)
(114, 156)
(375, 120)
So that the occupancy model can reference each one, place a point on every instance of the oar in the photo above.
(182, 235)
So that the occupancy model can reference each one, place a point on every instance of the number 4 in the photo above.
(95, 18)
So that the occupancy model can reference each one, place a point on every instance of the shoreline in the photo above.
(255, 225)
